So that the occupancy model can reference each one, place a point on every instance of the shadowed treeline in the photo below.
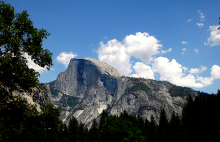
(200, 121)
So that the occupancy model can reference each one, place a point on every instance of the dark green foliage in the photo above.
(163, 129)
(51, 121)
(140, 123)
(18, 37)
(201, 116)
(180, 91)
(176, 129)
(22, 122)
(93, 132)
(67, 100)
(117, 129)
(200, 122)
(137, 86)
(73, 129)
(152, 132)
(54, 91)
(103, 119)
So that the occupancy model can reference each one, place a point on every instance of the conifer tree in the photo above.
(163, 129)
(103, 119)
(187, 119)
(152, 133)
(146, 125)
(93, 131)
(176, 131)
(73, 129)
(141, 125)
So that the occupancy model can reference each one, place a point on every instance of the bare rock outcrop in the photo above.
(89, 86)
(39, 96)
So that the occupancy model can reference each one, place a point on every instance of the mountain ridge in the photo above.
(89, 86)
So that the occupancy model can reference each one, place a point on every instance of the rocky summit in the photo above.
(89, 86)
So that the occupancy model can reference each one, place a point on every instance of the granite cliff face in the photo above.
(39, 96)
(89, 86)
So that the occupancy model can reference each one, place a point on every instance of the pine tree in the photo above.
(152, 133)
(146, 125)
(93, 131)
(103, 119)
(188, 119)
(163, 129)
(176, 132)
(73, 129)
(141, 124)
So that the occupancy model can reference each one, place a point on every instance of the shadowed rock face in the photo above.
(39, 96)
(89, 86)
(82, 73)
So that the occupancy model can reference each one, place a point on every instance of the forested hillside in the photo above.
(200, 121)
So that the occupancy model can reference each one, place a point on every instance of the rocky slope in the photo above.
(39, 96)
(89, 86)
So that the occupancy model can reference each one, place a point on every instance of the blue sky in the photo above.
(173, 40)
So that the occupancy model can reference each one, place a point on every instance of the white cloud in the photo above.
(173, 72)
(64, 57)
(197, 70)
(141, 45)
(202, 17)
(205, 80)
(189, 20)
(196, 50)
(214, 38)
(215, 71)
(145, 47)
(113, 53)
(183, 42)
(143, 70)
(34, 66)
(169, 50)
(200, 24)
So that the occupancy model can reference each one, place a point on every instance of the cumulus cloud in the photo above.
(141, 45)
(200, 24)
(173, 72)
(197, 70)
(64, 58)
(205, 80)
(183, 42)
(196, 50)
(215, 72)
(202, 17)
(214, 38)
(34, 66)
(145, 48)
(143, 70)
(114, 53)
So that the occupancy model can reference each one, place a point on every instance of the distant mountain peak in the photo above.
(103, 67)
(89, 86)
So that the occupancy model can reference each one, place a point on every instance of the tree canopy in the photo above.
(18, 37)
